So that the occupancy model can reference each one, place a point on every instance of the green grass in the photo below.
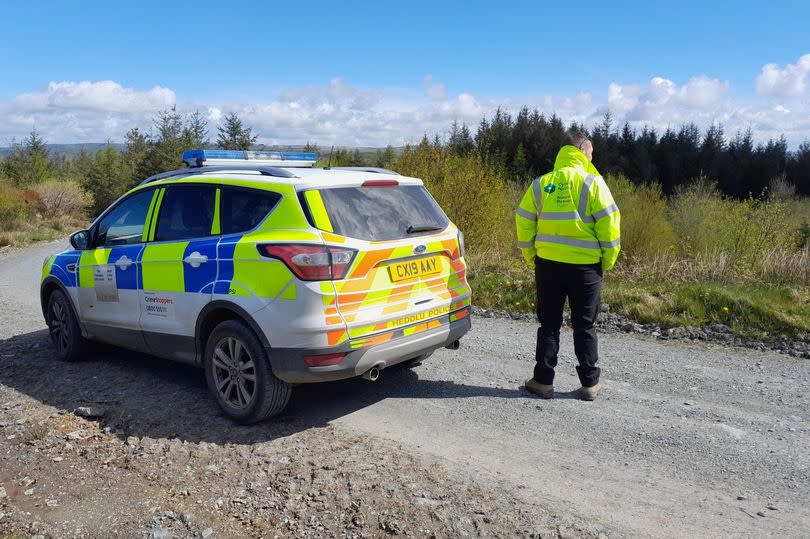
(762, 311)
(31, 234)
(496, 290)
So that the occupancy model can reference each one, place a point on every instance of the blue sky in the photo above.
(373, 73)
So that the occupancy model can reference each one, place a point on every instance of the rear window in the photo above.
(383, 213)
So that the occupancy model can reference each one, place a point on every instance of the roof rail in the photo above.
(376, 170)
(264, 171)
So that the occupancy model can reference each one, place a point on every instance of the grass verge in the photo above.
(21, 238)
(762, 311)
(40, 230)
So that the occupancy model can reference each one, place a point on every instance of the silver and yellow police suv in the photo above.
(267, 273)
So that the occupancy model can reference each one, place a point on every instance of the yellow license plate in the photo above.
(414, 268)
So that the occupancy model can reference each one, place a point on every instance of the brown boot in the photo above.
(590, 393)
(541, 390)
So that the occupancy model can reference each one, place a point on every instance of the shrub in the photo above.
(780, 189)
(13, 209)
(62, 198)
(739, 235)
(645, 229)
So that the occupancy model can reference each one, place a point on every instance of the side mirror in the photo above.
(80, 239)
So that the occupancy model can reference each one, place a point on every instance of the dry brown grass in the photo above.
(777, 266)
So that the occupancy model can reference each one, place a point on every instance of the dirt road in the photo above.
(687, 440)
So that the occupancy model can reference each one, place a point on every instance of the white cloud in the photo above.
(662, 102)
(789, 81)
(107, 96)
(83, 111)
(433, 91)
(339, 113)
(700, 92)
(214, 114)
(337, 91)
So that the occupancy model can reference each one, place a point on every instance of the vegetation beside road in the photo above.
(694, 251)
(694, 258)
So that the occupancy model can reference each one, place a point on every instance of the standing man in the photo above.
(568, 228)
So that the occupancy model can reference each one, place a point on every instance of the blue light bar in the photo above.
(199, 158)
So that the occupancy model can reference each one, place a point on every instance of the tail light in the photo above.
(460, 239)
(312, 262)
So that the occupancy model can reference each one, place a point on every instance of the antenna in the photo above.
(329, 164)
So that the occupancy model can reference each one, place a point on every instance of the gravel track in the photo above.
(687, 439)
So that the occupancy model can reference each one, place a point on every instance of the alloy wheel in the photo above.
(59, 327)
(234, 372)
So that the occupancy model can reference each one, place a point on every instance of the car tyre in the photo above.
(63, 327)
(238, 372)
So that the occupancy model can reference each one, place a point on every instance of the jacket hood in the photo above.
(569, 156)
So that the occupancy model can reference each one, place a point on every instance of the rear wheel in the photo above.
(239, 374)
(63, 327)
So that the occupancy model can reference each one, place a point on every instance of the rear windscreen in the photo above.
(383, 213)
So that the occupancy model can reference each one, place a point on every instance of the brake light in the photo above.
(380, 183)
(324, 360)
(312, 262)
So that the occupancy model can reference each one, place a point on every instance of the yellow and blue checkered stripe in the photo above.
(160, 267)
(226, 249)
(63, 267)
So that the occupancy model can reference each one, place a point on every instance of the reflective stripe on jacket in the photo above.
(569, 215)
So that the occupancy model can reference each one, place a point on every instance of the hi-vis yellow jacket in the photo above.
(569, 215)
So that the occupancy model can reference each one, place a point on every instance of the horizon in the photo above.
(391, 76)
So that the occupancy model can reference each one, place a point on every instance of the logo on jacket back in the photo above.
(419, 249)
(550, 188)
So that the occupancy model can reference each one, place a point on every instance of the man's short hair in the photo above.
(575, 139)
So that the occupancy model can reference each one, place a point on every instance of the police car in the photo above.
(267, 273)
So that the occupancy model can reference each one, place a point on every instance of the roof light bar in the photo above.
(203, 158)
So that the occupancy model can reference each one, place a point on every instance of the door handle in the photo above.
(123, 263)
(195, 259)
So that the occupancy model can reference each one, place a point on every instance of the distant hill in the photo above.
(68, 150)
(367, 152)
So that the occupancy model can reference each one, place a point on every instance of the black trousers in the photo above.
(582, 285)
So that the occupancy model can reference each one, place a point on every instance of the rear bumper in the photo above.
(288, 363)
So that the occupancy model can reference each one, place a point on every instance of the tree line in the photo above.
(109, 172)
(526, 145)
(522, 146)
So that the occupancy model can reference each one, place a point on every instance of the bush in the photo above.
(737, 235)
(645, 229)
(62, 198)
(13, 208)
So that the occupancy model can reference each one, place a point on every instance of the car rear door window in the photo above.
(186, 212)
(243, 209)
(123, 225)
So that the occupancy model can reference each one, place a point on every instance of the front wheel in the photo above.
(239, 374)
(63, 328)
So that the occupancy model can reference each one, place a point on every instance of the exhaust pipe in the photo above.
(453, 345)
(372, 374)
